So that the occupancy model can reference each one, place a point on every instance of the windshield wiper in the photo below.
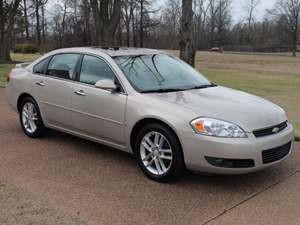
(163, 90)
(204, 86)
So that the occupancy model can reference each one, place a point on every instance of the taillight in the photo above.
(9, 76)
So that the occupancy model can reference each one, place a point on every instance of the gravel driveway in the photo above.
(105, 186)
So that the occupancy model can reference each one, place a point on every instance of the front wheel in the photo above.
(159, 153)
(30, 119)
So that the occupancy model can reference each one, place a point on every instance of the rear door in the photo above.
(56, 89)
(98, 113)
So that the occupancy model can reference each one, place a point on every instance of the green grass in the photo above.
(283, 90)
(5, 68)
(24, 57)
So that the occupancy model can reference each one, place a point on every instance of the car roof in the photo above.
(112, 51)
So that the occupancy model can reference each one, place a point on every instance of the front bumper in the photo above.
(197, 148)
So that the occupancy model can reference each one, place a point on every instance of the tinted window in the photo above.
(63, 66)
(155, 72)
(41, 66)
(94, 69)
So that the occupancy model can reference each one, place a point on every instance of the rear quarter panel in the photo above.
(21, 81)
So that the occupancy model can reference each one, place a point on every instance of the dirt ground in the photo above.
(18, 207)
(104, 186)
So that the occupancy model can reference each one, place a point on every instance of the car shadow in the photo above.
(246, 183)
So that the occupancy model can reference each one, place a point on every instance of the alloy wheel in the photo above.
(156, 153)
(29, 117)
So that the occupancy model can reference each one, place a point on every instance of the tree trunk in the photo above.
(26, 20)
(142, 24)
(187, 50)
(295, 42)
(107, 17)
(43, 25)
(86, 36)
(134, 30)
(120, 38)
(38, 28)
(6, 27)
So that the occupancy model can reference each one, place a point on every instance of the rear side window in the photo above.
(63, 66)
(41, 66)
(94, 69)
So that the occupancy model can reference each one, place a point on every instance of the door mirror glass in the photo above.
(106, 84)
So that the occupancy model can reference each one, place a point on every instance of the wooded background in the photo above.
(47, 25)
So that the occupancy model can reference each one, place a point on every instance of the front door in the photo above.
(56, 90)
(98, 113)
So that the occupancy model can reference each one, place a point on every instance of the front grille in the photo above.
(270, 130)
(230, 163)
(275, 154)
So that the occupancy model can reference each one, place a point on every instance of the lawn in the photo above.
(273, 77)
(5, 68)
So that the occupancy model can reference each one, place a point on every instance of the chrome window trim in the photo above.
(123, 92)
(110, 66)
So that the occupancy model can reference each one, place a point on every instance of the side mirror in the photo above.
(106, 84)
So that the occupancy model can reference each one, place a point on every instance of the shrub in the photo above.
(25, 48)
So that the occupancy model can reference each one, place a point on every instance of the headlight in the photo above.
(217, 128)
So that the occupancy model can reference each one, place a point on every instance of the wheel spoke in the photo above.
(146, 146)
(32, 125)
(166, 157)
(147, 157)
(30, 108)
(150, 163)
(165, 150)
(149, 142)
(162, 164)
(25, 114)
(156, 138)
(35, 117)
(157, 165)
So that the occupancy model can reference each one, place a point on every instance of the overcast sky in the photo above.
(238, 8)
(238, 5)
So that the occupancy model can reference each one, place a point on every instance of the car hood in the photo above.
(248, 111)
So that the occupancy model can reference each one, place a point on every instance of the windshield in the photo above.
(160, 72)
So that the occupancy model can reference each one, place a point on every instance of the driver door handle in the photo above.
(80, 92)
(40, 83)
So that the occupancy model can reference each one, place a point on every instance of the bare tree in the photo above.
(187, 50)
(212, 20)
(107, 16)
(26, 19)
(128, 8)
(8, 11)
(200, 20)
(250, 9)
(40, 23)
(288, 12)
(223, 20)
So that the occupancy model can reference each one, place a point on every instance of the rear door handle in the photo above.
(41, 83)
(80, 92)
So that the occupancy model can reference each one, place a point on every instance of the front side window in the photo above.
(160, 72)
(94, 69)
(63, 66)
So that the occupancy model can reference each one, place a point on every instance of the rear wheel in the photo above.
(159, 153)
(30, 119)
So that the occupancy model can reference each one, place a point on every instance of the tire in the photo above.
(171, 160)
(32, 124)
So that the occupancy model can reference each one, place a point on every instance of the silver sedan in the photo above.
(153, 105)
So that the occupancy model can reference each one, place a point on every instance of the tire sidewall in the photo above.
(177, 165)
